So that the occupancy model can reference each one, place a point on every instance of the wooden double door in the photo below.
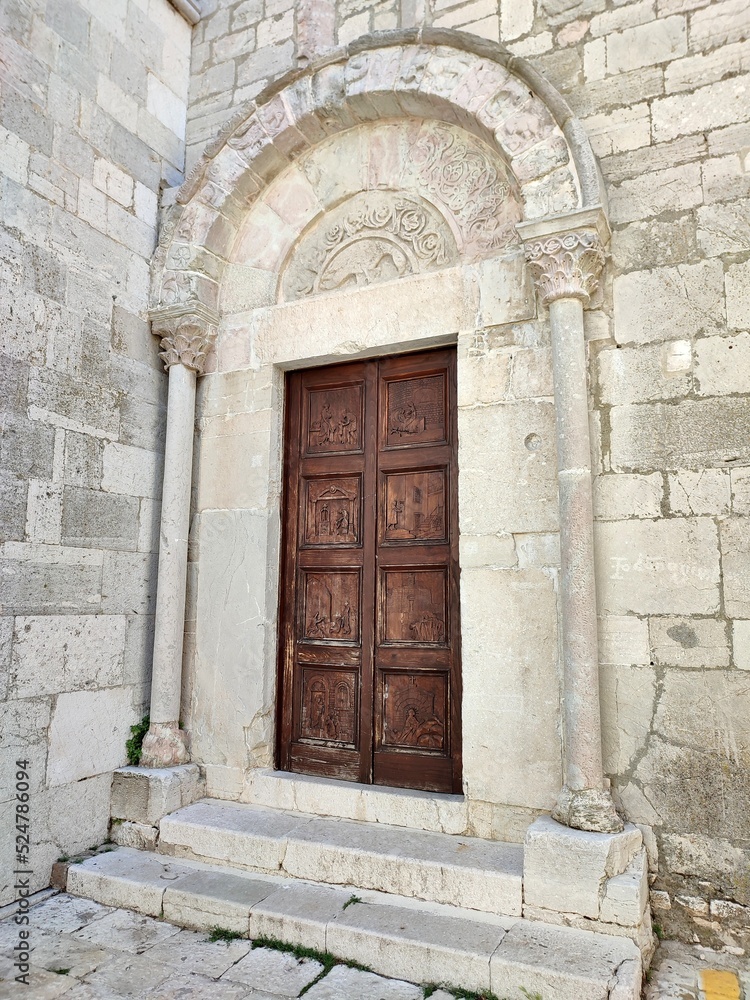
(369, 631)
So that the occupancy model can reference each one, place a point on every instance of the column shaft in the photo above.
(583, 751)
(173, 547)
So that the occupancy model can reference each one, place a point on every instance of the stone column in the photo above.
(566, 256)
(185, 339)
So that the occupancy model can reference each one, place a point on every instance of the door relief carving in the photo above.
(415, 506)
(335, 421)
(414, 710)
(375, 236)
(331, 607)
(416, 411)
(415, 606)
(332, 511)
(328, 711)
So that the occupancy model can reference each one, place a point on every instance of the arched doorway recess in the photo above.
(399, 195)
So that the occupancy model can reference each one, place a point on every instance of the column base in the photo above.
(165, 745)
(589, 809)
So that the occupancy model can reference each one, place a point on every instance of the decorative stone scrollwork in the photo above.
(375, 236)
(455, 169)
(184, 340)
(567, 266)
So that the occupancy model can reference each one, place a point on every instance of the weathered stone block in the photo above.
(131, 471)
(13, 512)
(737, 283)
(66, 653)
(99, 520)
(627, 706)
(721, 723)
(691, 434)
(658, 567)
(88, 733)
(724, 228)
(722, 364)
(497, 495)
(136, 835)
(83, 460)
(704, 492)
(144, 795)
(26, 447)
(735, 559)
(622, 496)
(644, 45)
(741, 644)
(511, 689)
(565, 869)
(129, 583)
(669, 303)
(674, 189)
(689, 642)
(645, 373)
(41, 579)
(623, 639)
(708, 107)
(626, 895)
(77, 813)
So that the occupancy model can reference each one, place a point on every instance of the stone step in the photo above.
(394, 936)
(461, 871)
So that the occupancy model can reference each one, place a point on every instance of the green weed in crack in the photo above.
(300, 952)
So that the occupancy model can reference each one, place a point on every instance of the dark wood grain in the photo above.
(369, 663)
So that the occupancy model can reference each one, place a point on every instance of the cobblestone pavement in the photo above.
(688, 972)
(85, 951)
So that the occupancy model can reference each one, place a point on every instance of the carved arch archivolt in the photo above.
(446, 91)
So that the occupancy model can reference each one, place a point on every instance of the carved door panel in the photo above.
(369, 658)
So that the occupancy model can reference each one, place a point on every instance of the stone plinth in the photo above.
(588, 880)
(142, 796)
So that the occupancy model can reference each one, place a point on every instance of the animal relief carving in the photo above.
(375, 236)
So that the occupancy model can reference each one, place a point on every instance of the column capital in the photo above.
(186, 335)
(566, 254)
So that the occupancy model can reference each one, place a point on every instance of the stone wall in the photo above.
(92, 124)
(662, 89)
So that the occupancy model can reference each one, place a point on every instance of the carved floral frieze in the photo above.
(374, 236)
(454, 168)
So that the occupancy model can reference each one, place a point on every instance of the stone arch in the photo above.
(541, 156)
(441, 76)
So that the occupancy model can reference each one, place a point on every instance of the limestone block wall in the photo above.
(92, 123)
(662, 89)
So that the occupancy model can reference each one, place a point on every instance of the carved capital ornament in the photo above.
(184, 339)
(566, 265)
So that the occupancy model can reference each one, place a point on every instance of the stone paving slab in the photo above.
(126, 931)
(690, 972)
(191, 951)
(277, 972)
(343, 983)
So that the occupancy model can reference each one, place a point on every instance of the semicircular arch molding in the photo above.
(446, 78)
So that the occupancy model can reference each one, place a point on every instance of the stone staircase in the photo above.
(413, 904)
